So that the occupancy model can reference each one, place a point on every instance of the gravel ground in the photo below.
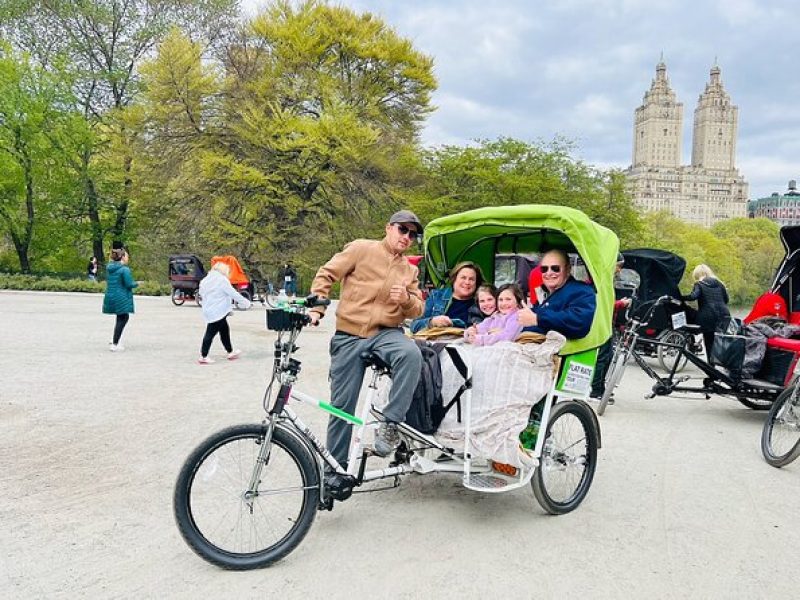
(91, 442)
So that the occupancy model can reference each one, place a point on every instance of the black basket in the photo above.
(279, 319)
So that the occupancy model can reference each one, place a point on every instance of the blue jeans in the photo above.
(291, 288)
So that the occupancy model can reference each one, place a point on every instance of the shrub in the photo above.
(51, 284)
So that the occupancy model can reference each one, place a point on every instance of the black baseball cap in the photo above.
(406, 216)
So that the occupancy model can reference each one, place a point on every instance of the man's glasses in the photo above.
(553, 268)
(407, 231)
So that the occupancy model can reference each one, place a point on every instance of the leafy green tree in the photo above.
(34, 192)
(294, 134)
(508, 171)
(105, 41)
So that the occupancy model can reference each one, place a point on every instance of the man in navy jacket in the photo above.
(565, 304)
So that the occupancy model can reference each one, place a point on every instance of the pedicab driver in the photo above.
(566, 306)
(379, 290)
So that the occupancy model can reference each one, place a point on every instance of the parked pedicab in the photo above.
(659, 274)
(185, 273)
(722, 372)
(780, 437)
(238, 278)
(248, 495)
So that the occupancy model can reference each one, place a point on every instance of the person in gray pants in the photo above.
(379, 290)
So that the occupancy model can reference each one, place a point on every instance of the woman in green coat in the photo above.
(119, 294)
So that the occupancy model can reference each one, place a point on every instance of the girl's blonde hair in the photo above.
(222, 268)
(702, 271)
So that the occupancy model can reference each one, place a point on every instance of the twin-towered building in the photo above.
(711, 188)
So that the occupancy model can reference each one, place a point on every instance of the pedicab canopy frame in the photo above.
(478, 235)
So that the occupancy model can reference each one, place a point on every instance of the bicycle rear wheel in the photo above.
(780, 438)
(569, 458)
(231, 527)
(667, 357)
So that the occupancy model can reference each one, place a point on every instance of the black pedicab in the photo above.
(659, 274)
(185, 273)
(771, 381)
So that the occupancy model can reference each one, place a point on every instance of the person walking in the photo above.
(379, 290)
(91, 269)
(217, 293)
(712, 303)
(287, 278)
(118, 299)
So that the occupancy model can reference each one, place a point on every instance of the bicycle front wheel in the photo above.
(233, 525)
(780, 438)
(569, 458)
(612, 377)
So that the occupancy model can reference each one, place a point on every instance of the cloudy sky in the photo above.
(533, 70)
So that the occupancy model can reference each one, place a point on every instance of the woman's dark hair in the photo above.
(516, 290)
(117, 254)
(467, 264)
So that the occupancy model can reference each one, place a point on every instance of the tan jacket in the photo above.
(367, 270)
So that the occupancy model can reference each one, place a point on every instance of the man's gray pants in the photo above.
(347, 375)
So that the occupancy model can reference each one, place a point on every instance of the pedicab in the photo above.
(660, 273)
(761, 385)
(238, 278)
(185, 273)
(247, 495)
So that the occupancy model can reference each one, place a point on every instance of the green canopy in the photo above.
(479, 235)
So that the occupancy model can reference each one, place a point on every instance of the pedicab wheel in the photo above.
(568, 460)
(178, 297)
(667, 357)
(780, 438)
(235, 530)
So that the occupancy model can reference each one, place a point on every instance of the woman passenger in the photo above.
(450, 306)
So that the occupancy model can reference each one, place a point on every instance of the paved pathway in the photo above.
(91, 442)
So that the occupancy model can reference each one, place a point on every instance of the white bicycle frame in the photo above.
(474, 474)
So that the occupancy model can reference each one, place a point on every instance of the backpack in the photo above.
(427, 408)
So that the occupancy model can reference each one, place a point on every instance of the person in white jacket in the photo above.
(217, 293)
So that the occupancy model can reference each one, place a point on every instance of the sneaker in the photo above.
(386, 439)
(204, 360)
(116, 347)
(234, 354)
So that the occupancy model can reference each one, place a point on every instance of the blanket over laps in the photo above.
(507, 380)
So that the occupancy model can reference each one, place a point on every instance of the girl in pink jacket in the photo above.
(503, 325)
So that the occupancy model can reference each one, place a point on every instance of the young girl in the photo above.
(486, 304)
(504, 325)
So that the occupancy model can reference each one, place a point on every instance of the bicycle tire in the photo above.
(559, 455)
(667, 357)
(785, 412)
(178, 297)
(226, 491)
(755, 403)
(618, 363)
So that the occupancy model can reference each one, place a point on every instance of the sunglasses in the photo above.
(407, 231)
(553, 268)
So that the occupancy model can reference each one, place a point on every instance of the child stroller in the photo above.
(238, 278)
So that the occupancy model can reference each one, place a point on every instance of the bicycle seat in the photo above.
(373, 360)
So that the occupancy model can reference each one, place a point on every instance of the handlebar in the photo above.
(293, 316)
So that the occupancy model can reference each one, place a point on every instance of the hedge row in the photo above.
(51, 284)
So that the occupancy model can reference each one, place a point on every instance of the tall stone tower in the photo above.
(711, 188)
(658, 125)
(715, 127)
